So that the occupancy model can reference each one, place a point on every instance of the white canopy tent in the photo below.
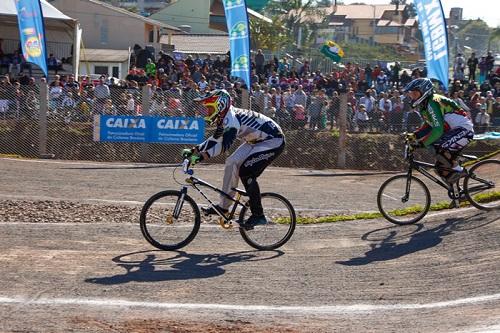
(62, 32)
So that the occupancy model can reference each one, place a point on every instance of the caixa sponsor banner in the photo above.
(179, 130)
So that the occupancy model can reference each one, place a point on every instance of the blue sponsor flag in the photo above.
(239, 38)
(32, 32)
(433, 26)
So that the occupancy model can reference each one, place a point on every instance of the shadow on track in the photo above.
(387, 248)
(153, 267)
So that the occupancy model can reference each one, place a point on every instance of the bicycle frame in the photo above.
(196, 183)
(422, 167)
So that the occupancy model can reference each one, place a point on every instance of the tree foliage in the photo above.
(295, 15)
(268, 36)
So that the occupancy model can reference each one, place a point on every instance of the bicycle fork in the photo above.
(180, 202)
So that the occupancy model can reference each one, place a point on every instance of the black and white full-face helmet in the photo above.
(424, 86)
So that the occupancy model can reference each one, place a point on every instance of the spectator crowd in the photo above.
(296, 95)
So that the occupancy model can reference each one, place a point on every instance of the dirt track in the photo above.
(439, 276)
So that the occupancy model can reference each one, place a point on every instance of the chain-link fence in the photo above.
(57, 121)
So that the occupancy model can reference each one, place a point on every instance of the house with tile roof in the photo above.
(383, 24)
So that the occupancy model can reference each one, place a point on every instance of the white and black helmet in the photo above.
(423, 85)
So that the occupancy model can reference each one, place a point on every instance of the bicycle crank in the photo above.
(224, 225)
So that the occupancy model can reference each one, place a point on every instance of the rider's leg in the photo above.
(263, 154)
(231, 172)
(448, 148)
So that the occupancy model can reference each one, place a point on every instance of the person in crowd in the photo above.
(54, 64)
(108, 108)
(459, 67)
(259, 62)
(131, 108)
(472, 63)
(30, 105)
(16, 61)
(333, 110)
(490, 62)
(316, 109)
(381, 81)
(495, 117)
(101, 94)
(482, 120)
(368, 75)
(361, 118)
(483, 69)
(68, 103)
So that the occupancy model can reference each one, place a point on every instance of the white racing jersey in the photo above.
(248, 126)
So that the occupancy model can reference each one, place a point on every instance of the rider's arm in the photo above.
(220, 141)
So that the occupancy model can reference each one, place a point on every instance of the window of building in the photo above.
(101, 70)
(103, 35)
(116, 71)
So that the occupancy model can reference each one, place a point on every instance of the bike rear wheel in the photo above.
(403, 200)
(170, 220)
(482, 185)
(281, 221)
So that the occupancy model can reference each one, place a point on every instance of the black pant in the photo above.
(252, 168)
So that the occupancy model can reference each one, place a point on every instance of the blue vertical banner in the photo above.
(239, 38)
(32, 32)
(433, 26)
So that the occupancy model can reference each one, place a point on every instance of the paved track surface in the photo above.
(437, 276)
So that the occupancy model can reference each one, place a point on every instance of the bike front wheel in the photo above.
(482, 185)
(403, 200)
(170, 220)
(281, 221)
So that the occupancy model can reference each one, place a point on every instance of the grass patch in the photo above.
(442, 205)
(10, 156)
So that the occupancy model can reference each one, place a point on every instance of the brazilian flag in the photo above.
(332, 50)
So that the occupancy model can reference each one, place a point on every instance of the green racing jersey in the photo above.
(440, 114)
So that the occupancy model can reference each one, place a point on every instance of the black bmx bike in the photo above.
(171, 219)
(405, 199)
